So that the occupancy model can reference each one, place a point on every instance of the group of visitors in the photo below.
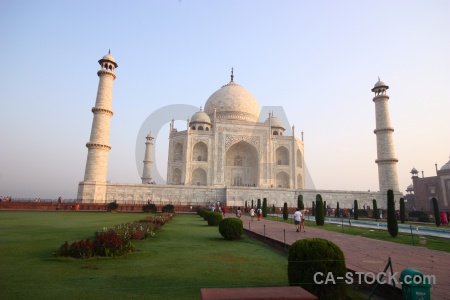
(5, 199)
(258, 213)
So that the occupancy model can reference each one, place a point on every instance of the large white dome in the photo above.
(233, 102)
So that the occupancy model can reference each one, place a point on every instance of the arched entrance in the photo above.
(242, 165)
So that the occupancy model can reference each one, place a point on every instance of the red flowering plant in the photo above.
(109, 243)
(115, 241)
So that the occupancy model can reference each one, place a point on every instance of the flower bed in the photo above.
(115, 241)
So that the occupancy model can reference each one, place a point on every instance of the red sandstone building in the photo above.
(423, 189)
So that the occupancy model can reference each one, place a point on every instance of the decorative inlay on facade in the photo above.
(232, 139)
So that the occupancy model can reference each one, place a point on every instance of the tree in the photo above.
(285, 211)
(375, 209)
(264, 208)
(320, 218)
(259, 204)
(437, 218)
(324, 208)
(313, 210)
(273, 209)
(402, 210)
(245, 203)
(252, 203)
(300, 204)
(337, 210)
(355, 209)
(391, 217)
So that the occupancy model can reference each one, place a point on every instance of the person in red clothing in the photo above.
(224, 210)
(259, 212)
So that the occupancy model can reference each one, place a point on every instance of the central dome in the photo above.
(233, 102)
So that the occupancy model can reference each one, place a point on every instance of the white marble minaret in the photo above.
(386, 160)
(93, 189)
(147, 173)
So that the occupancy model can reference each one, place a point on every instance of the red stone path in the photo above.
(368, 255)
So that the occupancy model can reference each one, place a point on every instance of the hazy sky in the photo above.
(318, 60)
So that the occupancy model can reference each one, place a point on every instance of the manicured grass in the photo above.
(431, 242)
(184, 257)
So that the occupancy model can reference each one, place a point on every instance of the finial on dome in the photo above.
(232, 75)
(379, 78)
(109, 51)
(200, 108)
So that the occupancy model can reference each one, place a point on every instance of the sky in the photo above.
(317, 60)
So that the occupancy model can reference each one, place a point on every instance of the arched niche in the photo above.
(242, 165)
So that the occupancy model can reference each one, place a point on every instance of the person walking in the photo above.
(259, 212)
(302, 222)
(239, 213)
(297, 219)
(252, 213)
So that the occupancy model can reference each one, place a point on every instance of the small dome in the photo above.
(414, 171)
(200, 117)
(446, 166)
(109, 57)
(380, 83)
(275, 122)
(150, 135)
(410, 188)
(233, 102)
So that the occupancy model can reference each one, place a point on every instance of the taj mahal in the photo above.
(226, 155)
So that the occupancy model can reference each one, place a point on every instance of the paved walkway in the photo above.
(368, 255)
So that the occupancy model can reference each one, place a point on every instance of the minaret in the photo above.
(147, 173)
(387, 162)
(98, 145)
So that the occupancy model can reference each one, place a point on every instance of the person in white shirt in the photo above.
(297, 219)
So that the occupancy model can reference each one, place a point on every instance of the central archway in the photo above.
(242, 165)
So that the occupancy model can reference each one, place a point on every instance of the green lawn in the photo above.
(185, 256)
(430, 242)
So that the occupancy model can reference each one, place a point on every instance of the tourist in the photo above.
(297, 219)
(224, 210)
(239, 213)
(252, 213)
(259, 212)
(302, 222)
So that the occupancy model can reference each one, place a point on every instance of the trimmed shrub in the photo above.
(320, 218)
(259, 204)
(402, 210)
(264, 208)
(375, 209)
(231, 228)
(285, 211)
(206, 215)
(391, 216)
(363, 213)
(300, 203)
(149, 208)
(252, 203)
(337, 209)
(201, 212)
(416, 214)
(424, 219)
(355, 210)
(168, 208)
(312, 255)
(313, 210)
(113, 206)
(437, 217)
(214, 218)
